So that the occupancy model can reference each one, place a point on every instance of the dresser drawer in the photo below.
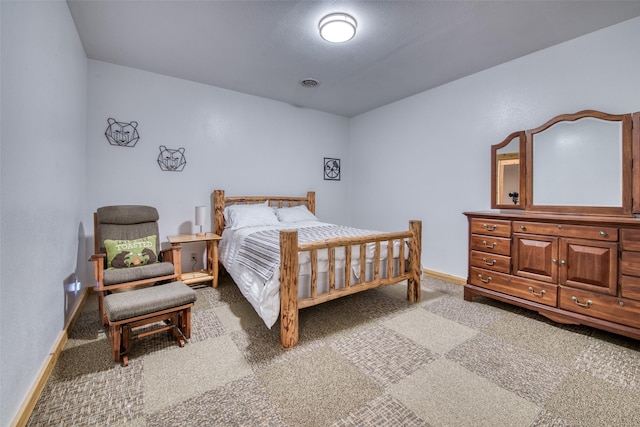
(491, 261)
(630, 287)
(543, 293)
(609, 234)
(630, 263)
(490, 244)
(630, 240)
(490, 279)
(613, 309)
(491, 227)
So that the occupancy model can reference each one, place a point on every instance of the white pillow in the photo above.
(240, 216)
(231, 208)
(295, 214)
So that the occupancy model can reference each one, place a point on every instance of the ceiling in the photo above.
(266, 48)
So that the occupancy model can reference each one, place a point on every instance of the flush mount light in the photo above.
(337, 27)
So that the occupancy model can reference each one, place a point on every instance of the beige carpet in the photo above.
(371, 359)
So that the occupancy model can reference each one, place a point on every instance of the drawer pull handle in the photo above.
(483, 280)
(621, 303)
(490, 246)
(586, 304)
(522, 227)
(486, 261)
(538, 294)
(563, 262)
(602, 233)
(489, 227)
(555, 261)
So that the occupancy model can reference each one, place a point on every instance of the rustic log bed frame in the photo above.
(289, 249)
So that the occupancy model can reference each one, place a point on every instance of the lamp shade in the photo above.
(201, 212)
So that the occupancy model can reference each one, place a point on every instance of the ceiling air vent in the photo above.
(309, 82)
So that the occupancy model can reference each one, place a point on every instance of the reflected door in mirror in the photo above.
(507, 177)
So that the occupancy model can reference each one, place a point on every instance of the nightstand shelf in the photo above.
(210, 273)
(196, 277)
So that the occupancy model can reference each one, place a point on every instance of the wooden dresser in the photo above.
(570, 268)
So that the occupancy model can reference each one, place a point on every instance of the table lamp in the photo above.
(201, 211)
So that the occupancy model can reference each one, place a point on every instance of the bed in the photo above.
(295, 261)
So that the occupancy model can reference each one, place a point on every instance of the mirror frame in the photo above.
(494, 172)
(635, 154)
(626, 208)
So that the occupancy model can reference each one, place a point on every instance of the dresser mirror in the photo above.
(507, 172)
(580, 163)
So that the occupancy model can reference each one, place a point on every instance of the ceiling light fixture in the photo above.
(337, 27)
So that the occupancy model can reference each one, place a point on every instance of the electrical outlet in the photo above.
(193, 256)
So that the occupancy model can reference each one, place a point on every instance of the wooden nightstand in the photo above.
(211, 272)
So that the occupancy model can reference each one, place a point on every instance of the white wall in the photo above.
(242, 144)
(437, 143)
(44, 74)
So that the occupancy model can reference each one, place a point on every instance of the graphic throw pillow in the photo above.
(131, 253)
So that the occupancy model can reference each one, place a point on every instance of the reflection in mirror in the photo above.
(508, 159)
(578, 163)
(507, 182)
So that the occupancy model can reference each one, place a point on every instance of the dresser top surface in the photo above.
(515, 215)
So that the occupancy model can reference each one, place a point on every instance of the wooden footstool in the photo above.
(170, 304)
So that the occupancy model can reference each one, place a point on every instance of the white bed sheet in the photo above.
(265, 297)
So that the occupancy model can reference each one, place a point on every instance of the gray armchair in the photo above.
(128, 252)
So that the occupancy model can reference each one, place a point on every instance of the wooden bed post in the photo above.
(415, 255)
(218, 208)
(311, 201)
(288, 288)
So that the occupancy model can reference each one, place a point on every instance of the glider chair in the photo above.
(127, 263)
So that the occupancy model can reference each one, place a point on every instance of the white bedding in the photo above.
(265, 297)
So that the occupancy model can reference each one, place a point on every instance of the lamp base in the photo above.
(201, 234)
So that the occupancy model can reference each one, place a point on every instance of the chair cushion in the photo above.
(122, 275)
(125, 305)
(127, 214)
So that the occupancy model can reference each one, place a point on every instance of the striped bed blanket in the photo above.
(260, 251)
